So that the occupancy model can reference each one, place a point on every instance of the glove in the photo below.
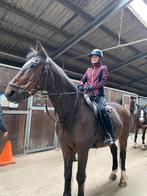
(81, 88)
(89, 88)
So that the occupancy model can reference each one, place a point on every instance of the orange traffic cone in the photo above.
(6, 156)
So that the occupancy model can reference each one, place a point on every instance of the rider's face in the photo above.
(94, 59)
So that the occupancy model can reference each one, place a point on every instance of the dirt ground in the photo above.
(41, 174)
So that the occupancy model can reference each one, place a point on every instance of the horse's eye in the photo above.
(33, 65)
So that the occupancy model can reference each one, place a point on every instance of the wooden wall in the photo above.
(40, 134)
(30, 128)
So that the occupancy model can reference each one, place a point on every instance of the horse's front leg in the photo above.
(143, 138)
(81, 174)
(135, 138)
(68, 160)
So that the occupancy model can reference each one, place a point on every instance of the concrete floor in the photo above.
(41, 174)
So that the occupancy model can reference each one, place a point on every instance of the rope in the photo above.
(120, 28)
(127, 44)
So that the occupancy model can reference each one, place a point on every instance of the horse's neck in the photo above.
(59, 85)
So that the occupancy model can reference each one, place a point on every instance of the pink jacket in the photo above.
(95, 76)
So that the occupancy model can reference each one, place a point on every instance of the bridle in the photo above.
(41, 87)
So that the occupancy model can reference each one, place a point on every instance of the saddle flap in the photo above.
(91, 104)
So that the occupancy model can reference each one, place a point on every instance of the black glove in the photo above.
(89, 88)
(81, 88)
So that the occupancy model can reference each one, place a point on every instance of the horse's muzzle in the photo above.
(16, 95)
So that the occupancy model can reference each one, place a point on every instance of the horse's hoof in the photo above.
(123, 184)
(113, 177)
(143, 147)
(135, 145)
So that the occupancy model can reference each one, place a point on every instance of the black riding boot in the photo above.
(109, 133)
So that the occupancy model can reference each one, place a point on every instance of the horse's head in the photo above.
(31, 78)
(141, 113)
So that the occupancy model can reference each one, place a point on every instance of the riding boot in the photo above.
(109, 133)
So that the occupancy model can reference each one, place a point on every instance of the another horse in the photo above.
(80, 129)
(139, 119)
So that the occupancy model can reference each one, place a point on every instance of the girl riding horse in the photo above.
(80, 129)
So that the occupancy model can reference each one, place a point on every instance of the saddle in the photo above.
(94, 106)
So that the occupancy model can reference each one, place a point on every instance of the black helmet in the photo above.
(96, 52)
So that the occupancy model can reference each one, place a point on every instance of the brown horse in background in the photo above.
(80, 129)
(139, 121)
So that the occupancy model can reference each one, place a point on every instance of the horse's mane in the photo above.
(56, 68)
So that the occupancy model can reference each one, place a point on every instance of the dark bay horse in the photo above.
(139, 119)
(80, 129)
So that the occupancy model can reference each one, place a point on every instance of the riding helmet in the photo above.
(96, 52)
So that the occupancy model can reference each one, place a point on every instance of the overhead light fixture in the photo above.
(139, 9)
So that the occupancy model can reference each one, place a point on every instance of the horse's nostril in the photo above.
(12, 93)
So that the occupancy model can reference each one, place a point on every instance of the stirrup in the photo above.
(108, 139)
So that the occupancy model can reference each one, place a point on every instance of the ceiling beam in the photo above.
(136, 80)
(114, 84)
(129, 61)
(24, 36)
(102, 17)
(77, 10)
(29, 16)
(30, 38)
(17, 57)
(70, 72)
(90, 19)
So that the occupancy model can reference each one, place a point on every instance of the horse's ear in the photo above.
(32, 49)
(41, 51)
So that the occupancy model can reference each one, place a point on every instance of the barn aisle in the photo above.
(41, 174)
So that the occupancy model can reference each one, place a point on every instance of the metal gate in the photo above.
(40, 128)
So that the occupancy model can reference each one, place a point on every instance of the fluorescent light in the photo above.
(139, 9)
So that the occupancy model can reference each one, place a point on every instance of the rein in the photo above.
(70, 114)
(41, 87)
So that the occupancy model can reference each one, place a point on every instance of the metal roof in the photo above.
(69, 29)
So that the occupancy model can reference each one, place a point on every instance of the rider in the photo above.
(93, 82)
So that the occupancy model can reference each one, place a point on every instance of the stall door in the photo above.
(41, 134)
(126, 102)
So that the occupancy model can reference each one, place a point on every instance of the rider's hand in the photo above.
(81, 88)
(89, 88)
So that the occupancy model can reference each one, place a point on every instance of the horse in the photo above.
(139, 119)
(80, 128)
